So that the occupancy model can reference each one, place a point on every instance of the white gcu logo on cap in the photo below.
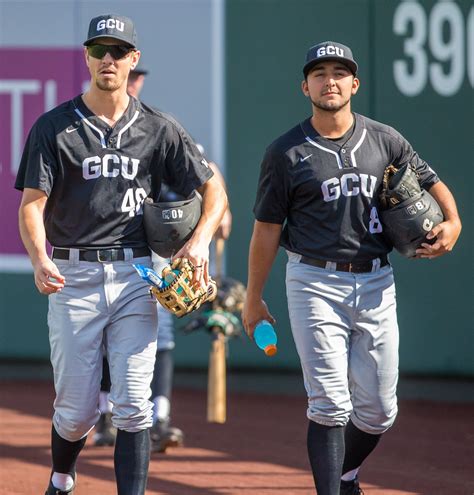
(330, 50)
(110, 24)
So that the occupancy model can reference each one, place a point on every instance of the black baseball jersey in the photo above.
(325, 191)
(97, 177)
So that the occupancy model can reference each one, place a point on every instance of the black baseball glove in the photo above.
(398, 185)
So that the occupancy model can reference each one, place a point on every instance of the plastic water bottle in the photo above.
(265, 337)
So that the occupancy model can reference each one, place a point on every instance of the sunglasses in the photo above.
(116, 51)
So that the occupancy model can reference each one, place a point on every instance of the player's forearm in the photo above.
(32, 230)
(220, 177)
(214, 204)
(217, 174)
(446, 201)
(263, 249)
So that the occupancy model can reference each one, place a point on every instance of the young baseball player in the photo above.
(86, 169)
(318, 198)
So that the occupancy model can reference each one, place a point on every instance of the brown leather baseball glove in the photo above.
(179, 296)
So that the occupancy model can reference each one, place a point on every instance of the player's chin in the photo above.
(108, 84)
(331, 105)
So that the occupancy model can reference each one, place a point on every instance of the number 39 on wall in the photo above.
(438, 47)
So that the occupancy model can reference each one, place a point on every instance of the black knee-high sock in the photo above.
(359, 445)
(131, 460)
(64, 453)
(326, 454)
(163, 374)
(105, 384)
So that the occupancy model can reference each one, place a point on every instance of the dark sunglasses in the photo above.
(116, 51)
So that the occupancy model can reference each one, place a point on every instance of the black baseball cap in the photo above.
(112, 26)
(329, 50)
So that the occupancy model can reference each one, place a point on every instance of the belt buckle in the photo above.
(104, 255)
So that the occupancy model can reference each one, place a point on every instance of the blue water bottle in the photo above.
(265, 337)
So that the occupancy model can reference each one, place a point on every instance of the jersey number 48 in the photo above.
(133, 201)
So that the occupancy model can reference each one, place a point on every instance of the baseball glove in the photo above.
(398, 185)
(407, 212)
(178, 295)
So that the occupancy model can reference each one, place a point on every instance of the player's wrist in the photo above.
(254, 295)
(39, 259)
(455, 221)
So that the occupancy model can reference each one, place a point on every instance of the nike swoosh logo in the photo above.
(305, 158)
(71, 129)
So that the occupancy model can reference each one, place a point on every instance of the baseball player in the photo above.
(86, 169)
(318, 198)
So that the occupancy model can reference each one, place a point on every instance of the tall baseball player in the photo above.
(318, 198)
(86, 168)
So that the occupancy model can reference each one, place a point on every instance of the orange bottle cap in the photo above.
(271, 350)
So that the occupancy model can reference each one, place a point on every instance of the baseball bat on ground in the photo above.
(216, 378)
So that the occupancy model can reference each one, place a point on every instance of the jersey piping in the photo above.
(93, 127)
(356, 147)
(339, 163)
(132, 120)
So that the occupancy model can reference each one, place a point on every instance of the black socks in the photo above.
(131, 460)
(358, 446)
(335, 450)
(326, 455)
(64, 453)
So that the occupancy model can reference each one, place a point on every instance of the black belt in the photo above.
(341, 266)
(102, 255)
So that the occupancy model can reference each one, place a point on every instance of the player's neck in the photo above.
(332, 124)
(107, 105)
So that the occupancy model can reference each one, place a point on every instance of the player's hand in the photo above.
(446, 234)
(254, 311)
(198, 254)
(48, 279)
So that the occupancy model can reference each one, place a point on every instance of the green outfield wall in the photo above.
(417, 74)
(430, 102)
